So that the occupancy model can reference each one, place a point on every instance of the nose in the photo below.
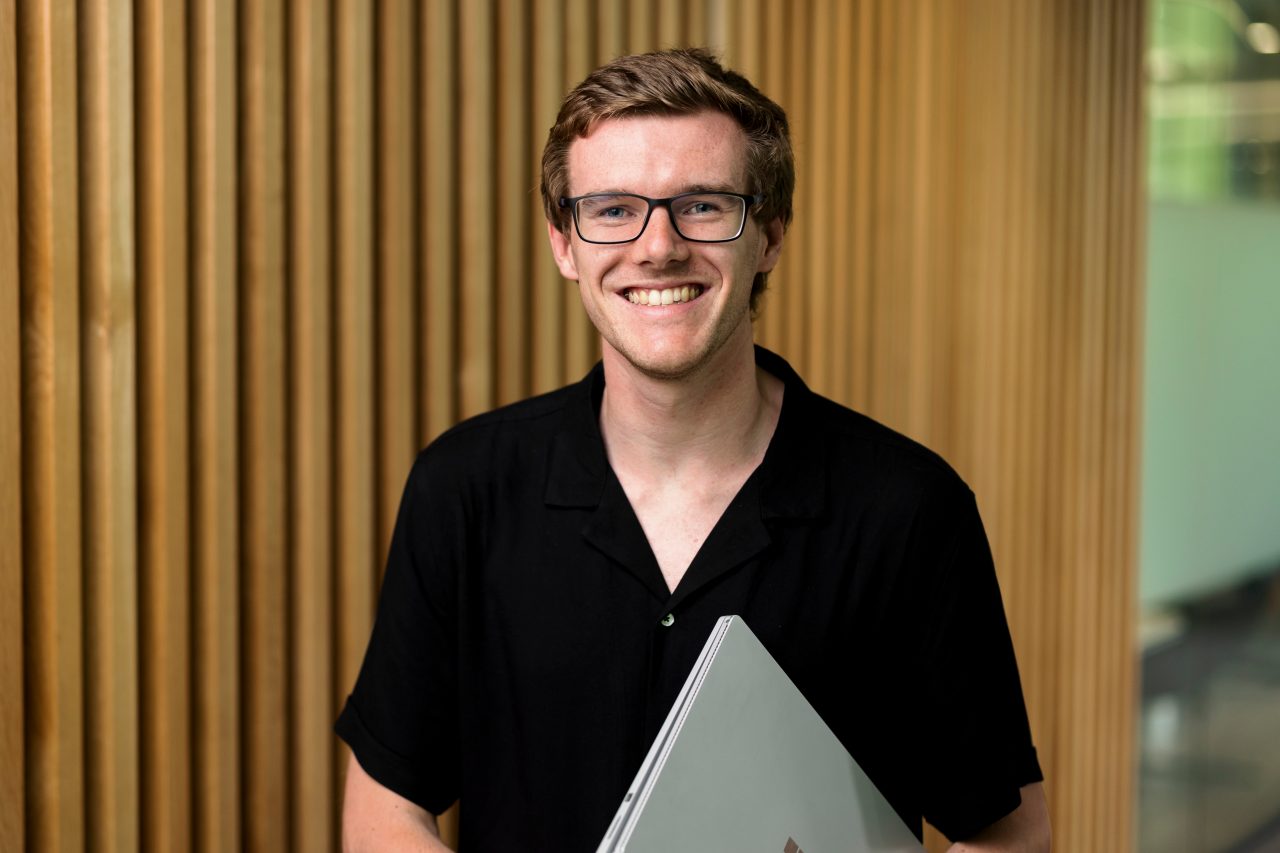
(660, 243)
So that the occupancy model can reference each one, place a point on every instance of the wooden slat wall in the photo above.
(253, 255)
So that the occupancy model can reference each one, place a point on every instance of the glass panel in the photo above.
(1210, 531)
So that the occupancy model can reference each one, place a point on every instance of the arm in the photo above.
(375, 818)
(1024, 830)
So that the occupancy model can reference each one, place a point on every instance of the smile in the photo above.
(670, 296)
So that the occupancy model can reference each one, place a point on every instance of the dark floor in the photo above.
(1210, 724)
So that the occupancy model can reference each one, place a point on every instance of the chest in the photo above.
(677, 517)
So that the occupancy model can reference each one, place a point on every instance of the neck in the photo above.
(718, 417)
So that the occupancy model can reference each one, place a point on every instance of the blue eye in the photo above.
(610, 209)
(703, 206)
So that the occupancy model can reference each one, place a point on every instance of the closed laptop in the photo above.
(744, 763)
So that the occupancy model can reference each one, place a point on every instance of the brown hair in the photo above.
(676, 82)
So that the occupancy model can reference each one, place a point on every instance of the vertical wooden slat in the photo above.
(12, 717)
(581, 343)
(355, 550)
(718, 27)
(50, 311)
(611, 35)
(396, 306)
(475, 204)
(1038, 614)
(550, 292)
(840, 203)
(887, 73)
(1129, 330)
(694, 26)
(312, 701)
(822, 203)
(642, 31)
(670, 25)
(513, 232)
(924, 339)
(742, 23)
(261, 279)
(215, 445)
(771, 80)
(108, 277)
(1058, 153)
(164, 431)
(441, 210)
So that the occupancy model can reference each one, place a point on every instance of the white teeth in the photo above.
(671, 296)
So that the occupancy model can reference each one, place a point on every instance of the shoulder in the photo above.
(508, 438)
(844, 441)
(858, 447)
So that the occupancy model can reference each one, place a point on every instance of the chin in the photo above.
(668, 364)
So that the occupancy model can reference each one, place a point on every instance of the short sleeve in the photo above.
(977, 740)
(401, 719)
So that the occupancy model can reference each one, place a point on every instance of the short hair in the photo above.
(672, 83)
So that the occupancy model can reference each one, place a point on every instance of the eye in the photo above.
(610, 209)
(702, 206)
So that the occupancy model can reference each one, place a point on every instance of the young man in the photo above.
(557, 564)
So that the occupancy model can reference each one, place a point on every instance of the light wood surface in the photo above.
(109, 388)
(165, 337)
(12, 712)
(49, 270)
(254, 255)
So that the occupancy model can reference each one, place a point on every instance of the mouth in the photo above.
(663, 296)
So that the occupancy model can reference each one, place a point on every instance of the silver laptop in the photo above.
(743, 763)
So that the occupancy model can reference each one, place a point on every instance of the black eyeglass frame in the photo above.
(571, 202)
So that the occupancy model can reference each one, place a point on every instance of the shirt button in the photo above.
(668, 620)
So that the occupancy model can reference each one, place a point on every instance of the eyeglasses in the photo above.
(701, 217)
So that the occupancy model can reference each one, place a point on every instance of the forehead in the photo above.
(659, 155)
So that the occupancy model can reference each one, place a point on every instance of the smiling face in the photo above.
(664, 305)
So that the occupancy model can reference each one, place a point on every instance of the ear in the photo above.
(562, 249)
(771, 248)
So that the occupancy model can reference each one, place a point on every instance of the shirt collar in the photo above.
(793, 478)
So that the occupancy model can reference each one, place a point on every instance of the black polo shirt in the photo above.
(526, 648)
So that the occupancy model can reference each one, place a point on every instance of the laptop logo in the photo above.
(792, 847)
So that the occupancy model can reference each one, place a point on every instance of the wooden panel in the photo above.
(355, 549)
(215, 422)
(642, 33)
(108, 285)
(581, 343)
(312, 695)
(12, 722)
(551, 293)
(771, 79)
(164, 483)
(396, 306)
(820, 207)
(475, 202)
(611, 30)
(670, 26)
(263, 427)
(964, 266)
(438, 397)
(516, 181)
(50, 311)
